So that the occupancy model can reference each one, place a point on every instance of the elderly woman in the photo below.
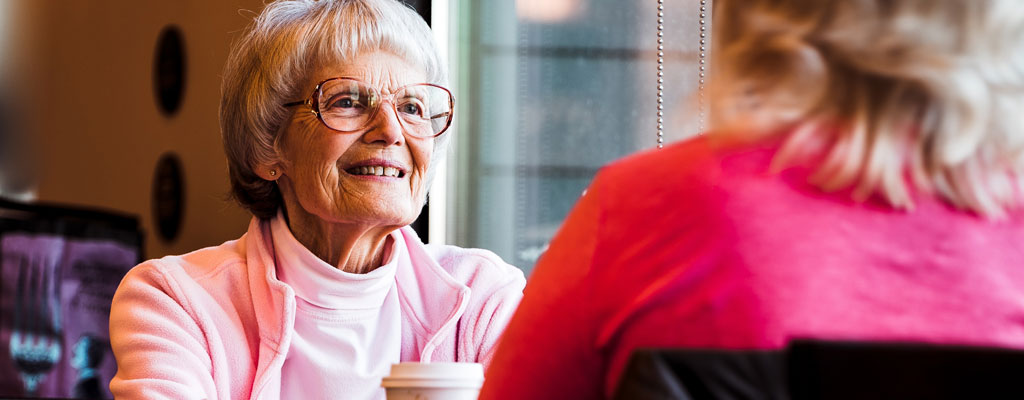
(862, 180)
(333, 116)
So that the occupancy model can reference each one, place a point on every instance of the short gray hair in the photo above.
(289, 40)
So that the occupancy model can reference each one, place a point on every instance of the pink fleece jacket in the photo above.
(216, 323)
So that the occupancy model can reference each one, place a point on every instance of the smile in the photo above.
(376, 170)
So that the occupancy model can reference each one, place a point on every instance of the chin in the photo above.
(408, 219)
(394, 219)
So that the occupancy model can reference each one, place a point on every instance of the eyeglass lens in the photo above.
(347, 105)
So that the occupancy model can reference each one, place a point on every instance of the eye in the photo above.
(412, 106)
(411, 109)
(345, 102)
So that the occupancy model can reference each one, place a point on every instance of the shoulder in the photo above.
(181, 275)
(685, 156)
(684, 196)
(700, 168)
(476, 268)
(207, 287)
(699, 158)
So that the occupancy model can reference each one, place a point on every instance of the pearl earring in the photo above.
(273, 172)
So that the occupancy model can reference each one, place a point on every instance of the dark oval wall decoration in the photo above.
(169, 70)
(168, 196)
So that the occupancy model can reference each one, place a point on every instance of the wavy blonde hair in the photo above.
(886, 96)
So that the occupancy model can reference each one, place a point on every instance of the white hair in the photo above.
(289, 40)
(880, 91)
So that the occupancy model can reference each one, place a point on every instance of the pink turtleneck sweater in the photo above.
(348, 327)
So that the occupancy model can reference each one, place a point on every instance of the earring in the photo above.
(273, 172)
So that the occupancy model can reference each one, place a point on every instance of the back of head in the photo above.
(883, 95)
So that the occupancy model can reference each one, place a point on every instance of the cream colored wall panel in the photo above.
(96, 120)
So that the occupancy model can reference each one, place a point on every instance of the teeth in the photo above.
(376, 171)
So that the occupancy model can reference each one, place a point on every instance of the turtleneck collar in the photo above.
(325, 286)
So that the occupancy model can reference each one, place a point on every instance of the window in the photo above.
(547, 92)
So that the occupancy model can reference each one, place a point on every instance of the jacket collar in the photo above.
(273, 300)
(432, 300)
(274, 307)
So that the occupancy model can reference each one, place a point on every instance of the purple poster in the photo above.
(55, 307)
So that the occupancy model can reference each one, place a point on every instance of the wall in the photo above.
(87, 82)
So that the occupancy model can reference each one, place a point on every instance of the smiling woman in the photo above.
(329, 286)
(336, 201)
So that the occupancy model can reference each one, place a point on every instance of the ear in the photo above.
(270, 172)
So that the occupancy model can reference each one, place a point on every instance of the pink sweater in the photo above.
(216, 323)
(695, 246)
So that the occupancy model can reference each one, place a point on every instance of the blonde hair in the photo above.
(886, 96)
(273, 59)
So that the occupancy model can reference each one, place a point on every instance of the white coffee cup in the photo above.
(434, 381)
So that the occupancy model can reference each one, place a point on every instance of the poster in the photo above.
(56, 284)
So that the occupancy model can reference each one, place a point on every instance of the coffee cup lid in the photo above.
(437, 374)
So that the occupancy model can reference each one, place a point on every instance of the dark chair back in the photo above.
(832, 370)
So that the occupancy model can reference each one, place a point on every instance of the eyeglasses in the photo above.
(347, 105)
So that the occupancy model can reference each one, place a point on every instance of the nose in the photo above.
(385, 128)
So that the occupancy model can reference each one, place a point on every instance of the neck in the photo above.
(350, 247)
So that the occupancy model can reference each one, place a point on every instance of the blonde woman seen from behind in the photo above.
(861, 181)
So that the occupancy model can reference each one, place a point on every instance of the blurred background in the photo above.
(89, 111)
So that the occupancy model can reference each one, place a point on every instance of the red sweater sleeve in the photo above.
(547, 351)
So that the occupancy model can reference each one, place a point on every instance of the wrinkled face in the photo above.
(374, 176)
